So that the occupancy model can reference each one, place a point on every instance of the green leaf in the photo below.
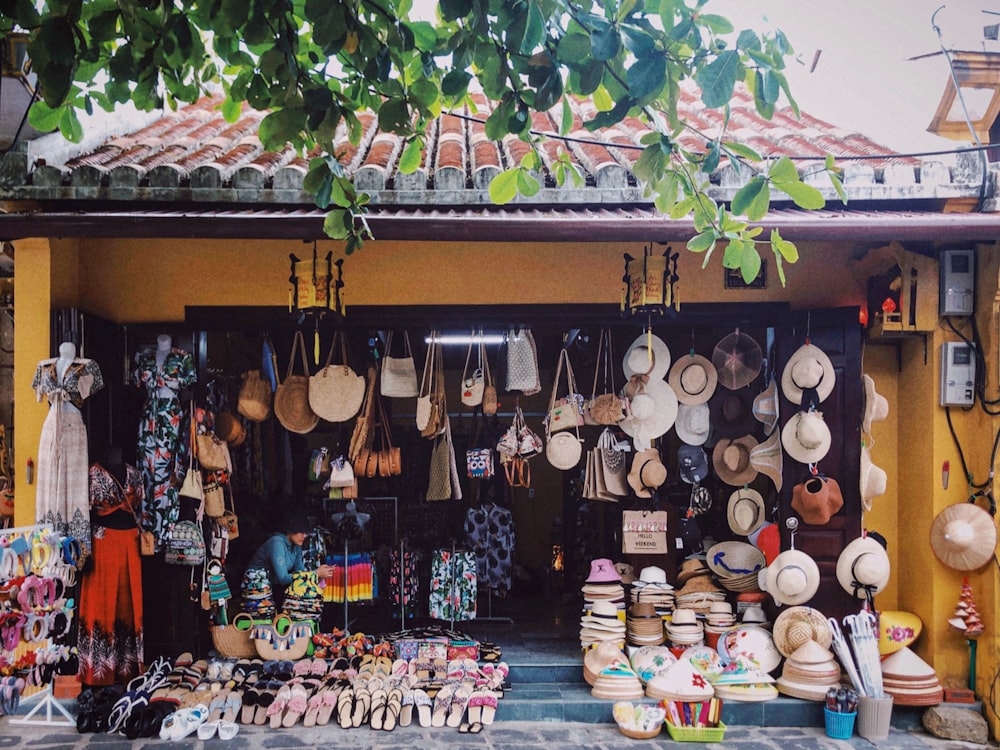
(783, 248)
(534, 30)
(424, 35)
(412, 156)
(702, 242)
(341, 192)
(718, 24)
(323, 194)
(455, 83)
(682, 208)
(783, 82)
(741, 150)
(503, 187)
(711, 158)
(838, 186)
(718, 79)
(783, 170)
(281, 127)
(231, 110)
(804, 196)
(318, 171)
(394, 115)
(338, 224)
(69, 126)
(732, 257)
(747, 194)
(604, 41)
(750, 267)
(550, 91)
(44, 118)
(646, 77)
(771, 87)
(574, 48)
(452, 10)
(526, 183)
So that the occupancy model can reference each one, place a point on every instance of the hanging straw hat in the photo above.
(746, 511)
(808, 369)
(863, 567)
(768, 459)
(732, 413)
(653, 412)
(648, 355)
(648, 472)
(817, 499)
(694, 423)
(693, 378)
(765, 406)
(737, 359)
(876, 405)
(806, 437)
(963, 536)
(731, 460)
(873, 479)
(734, 558)
(793, 578)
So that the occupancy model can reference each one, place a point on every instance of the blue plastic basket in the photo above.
(839, 726)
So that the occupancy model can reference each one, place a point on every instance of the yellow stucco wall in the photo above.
(153, 280)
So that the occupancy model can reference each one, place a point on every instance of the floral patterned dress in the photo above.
(62, 499)
(453, 587)
(110, 640)
(161, 451)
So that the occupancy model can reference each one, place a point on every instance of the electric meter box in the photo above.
(958, 281)
(958, 373)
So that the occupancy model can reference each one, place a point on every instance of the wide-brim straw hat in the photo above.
(694, 423)
(692, 566)
(963, 536)
(728, 559)
(737, 359)
(863, 567)
(873, 479)
(647, 472)
(693, 378)
(808, 367)
(648, 355)
(732, 413)
(658, 414)
(731, 460)
(876, 405)
(793, 578)
(795, 626)
(652, 574)
(817, 499)
(765, 406)
(746, 511)
(768, 459)
(806, 437)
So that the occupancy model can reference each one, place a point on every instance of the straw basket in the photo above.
(233, 641)
(636, 734)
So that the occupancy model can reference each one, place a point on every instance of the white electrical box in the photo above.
(958, 280)
(958, 374)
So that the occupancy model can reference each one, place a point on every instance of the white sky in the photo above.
(863, 80)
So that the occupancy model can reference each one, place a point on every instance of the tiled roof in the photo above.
(194, 156)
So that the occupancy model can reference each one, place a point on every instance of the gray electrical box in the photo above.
(958, 280)
(958, 374)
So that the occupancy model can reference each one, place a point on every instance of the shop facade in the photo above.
(166, 260)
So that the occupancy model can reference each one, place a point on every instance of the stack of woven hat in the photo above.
(257, 599)
(652, 587)
(743, 680)
(910, 680)
(603, 584)
(618, 682)
(684, 629)
(735, 565)
(719, 619)
(597, 658)
(601, 624)
(681, 682)
(643, 625)
(808, 672)
(304, 597)
(698, 590)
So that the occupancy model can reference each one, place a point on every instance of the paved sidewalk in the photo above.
(500, 736)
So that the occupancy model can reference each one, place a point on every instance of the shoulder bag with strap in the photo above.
(473, 384)
(291, 399)
(336, 391)
(399, 374)
(563, 449)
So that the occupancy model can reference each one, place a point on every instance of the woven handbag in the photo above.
(399, 374)
(255, 397)
(283, 639)
(215, 500)
(234, 641)
(336, 391)
(186, 545)
(291, 399)
(605, 408)
(439, 475)
(213, 453)
(522, 362)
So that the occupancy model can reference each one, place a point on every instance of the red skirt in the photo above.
(110, 610)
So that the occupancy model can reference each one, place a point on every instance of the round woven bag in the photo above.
(336, 393)
(291, 405)
(563, 450)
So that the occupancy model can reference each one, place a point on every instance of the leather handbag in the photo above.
(399, 374)
(336, 391)
(361, 436)
(255, 397)
(474, 383)
(390, 461)
(291, 399)
(437, 418)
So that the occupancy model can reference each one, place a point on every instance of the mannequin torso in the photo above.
(164, 344)
(67, 353)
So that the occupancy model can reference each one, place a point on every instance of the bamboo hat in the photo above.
(963, 536)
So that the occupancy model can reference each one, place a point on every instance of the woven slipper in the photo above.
(406, 708)
(393, 707)
(456, 710)
(377, 712)
(345, 707)
(329, 699)
(276, 710)
(442, 704)
(362, 706)
(296, 705)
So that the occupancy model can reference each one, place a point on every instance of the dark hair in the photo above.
(295, 522)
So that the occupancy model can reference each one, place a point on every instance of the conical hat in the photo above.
(795, 626)
(905, 664)
(683, 681)
(768, 459)
(811, 652)
(963, 536)
(743, 671)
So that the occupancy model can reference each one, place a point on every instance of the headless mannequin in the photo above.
(164, 344)
(67, 354)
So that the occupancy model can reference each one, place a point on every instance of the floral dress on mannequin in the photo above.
(161, 452)
(62, 498)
